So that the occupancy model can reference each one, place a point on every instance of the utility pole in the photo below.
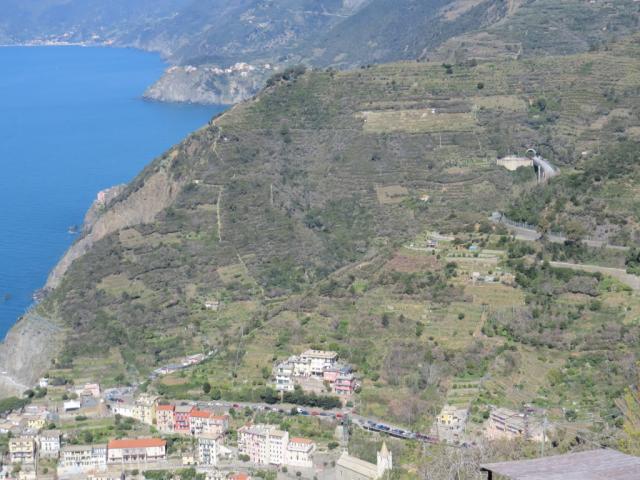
(544, 433)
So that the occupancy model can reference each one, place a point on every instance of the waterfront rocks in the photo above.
(209, 84)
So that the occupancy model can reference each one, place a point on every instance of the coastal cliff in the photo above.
(209, 84)
(35, 341)
(27, 352)
(139, 206)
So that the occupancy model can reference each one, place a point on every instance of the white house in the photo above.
(49, 444)
(82, 458)
(318, 361)
(284, 377)
(208, 450)
(138, 450)
(71, 405)
(300, 452)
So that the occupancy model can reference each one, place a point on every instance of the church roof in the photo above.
(384, 450)
(354, 464)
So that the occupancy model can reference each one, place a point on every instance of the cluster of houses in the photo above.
(169, 418)
(450, 424)
(187, 419)
(33, 440)
(506, 424)
(266, 445)
(26, 450)
(319, 365)
(502, 424)
(32, 419)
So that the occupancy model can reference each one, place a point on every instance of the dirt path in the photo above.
(218, 213)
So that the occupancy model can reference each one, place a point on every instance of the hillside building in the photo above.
(165, 418)
(49, 444)
(345, 384)
(208, 450)
(83, 458)
(315, 362)
(510, 425)
(450, 423)
(284, 377)
(139, 450)
(182, 418)
(266, 445)
(22, 449)
(144, 409)
(299, 452)
(202, 422)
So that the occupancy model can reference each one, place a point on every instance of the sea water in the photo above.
(72, 122)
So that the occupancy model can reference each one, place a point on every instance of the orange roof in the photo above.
(240, 476)
(166, 407)
(301, 440)
(200, 414)
(137, 443)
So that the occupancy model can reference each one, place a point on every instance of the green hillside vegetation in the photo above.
(298, 210)
(327, 32)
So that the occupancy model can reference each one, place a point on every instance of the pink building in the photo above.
(345, 384)
(182, 418)
(330, 375)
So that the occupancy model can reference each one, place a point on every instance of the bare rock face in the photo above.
(100, 204)
(141, 206)
(209, 84)
(27, 352)
(34, 341)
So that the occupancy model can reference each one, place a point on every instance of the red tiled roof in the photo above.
(136, 443)
(240, 476)
(200, 414)
(301, 440)
(166, 407)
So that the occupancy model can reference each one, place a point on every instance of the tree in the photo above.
(206, 388)
(632, 261)
(629, 405)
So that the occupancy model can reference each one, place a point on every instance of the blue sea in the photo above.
(72, 122)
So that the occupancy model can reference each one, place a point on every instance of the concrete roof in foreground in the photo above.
(601, 464)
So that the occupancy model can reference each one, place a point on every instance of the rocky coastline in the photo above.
(209, 84)
(35, 340)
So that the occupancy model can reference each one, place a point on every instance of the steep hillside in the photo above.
(223, 51)
(304, 212)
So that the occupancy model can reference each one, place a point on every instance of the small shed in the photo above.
(603, 464)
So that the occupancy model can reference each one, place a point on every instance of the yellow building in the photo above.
(22, 449)
(144, 409)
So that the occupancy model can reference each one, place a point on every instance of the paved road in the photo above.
(549, 170)
(618, 273)
(368, 423)
(531, 235)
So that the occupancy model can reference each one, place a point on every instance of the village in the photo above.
(152, 436)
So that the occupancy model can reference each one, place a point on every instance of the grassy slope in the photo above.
(284, 190)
